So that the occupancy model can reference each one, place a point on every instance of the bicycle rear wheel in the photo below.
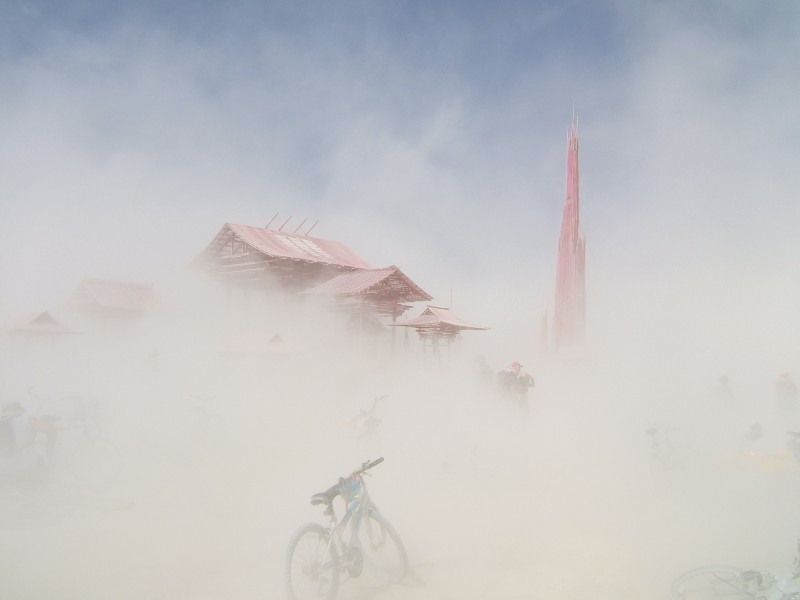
(312, 565)
(716, 581)
(384, 552)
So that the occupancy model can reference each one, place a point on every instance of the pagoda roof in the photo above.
(435, 317)
(42, 322)
(387, 283)
(114, 295)
(238, 240)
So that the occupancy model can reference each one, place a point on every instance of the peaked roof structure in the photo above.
(42, 322)
(247, 254)
(118, 296)
(439, 320)
(570, 308)
(385, 290)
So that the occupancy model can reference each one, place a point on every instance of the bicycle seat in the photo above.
(323, 498)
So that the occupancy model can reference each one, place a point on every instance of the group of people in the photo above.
(781, 413)
(512, 382)
(786, 397)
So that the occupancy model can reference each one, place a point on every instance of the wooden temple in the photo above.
(259, 257)
(255, 257)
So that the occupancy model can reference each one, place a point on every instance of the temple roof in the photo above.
(434, 317)
(114, 295)
(42, 322)
(238, 240)
(249, 255)
(389, 282)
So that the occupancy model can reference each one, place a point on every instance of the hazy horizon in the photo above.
(431, 137)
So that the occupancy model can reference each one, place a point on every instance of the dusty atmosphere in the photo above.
(219, 453)
(172, 456)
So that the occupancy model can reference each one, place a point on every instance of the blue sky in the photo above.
(428, 135)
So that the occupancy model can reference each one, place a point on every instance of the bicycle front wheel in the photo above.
(716, 581)
(312, 565)
(384, 552)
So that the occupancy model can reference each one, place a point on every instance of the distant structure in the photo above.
(120, 298)
(569, 326)
(259, 257)
(368, 293)
(42, 323)
(385, 292)
(252, 256)
(436, 326)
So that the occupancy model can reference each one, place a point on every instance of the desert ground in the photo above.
(562, 503)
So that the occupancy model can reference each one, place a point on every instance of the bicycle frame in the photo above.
(366, 421)
(320, 556)
(343, 534)
(777, 583)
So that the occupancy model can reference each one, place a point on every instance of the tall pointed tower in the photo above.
(570, 310)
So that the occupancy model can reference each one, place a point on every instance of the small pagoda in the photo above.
(42, 323)
(438, 326)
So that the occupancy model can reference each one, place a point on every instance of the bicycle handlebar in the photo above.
(366, 466)
(333, 491)
(375, 404)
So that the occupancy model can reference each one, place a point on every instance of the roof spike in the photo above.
(270, 221)
(312, 227)
(284, 223)
(299, 226)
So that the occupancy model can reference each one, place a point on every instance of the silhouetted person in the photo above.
(515, 382)
(723, 393)
(786, 393)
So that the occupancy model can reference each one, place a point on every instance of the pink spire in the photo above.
(570, 310)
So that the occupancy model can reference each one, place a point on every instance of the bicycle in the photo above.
(733, 583)
(318, 555)
(367, 427)
(771, 463)
(71, 440)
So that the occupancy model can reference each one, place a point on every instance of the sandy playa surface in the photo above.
(560, 505)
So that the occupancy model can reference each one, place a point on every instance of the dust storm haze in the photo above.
(431, 138)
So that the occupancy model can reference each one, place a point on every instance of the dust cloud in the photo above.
(224, 411)
(432, 138)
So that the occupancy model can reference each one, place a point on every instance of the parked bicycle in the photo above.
(733, 583)
(367, 425)
(320, 557)
(765, 460)
(60, 461)
(69, 437)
